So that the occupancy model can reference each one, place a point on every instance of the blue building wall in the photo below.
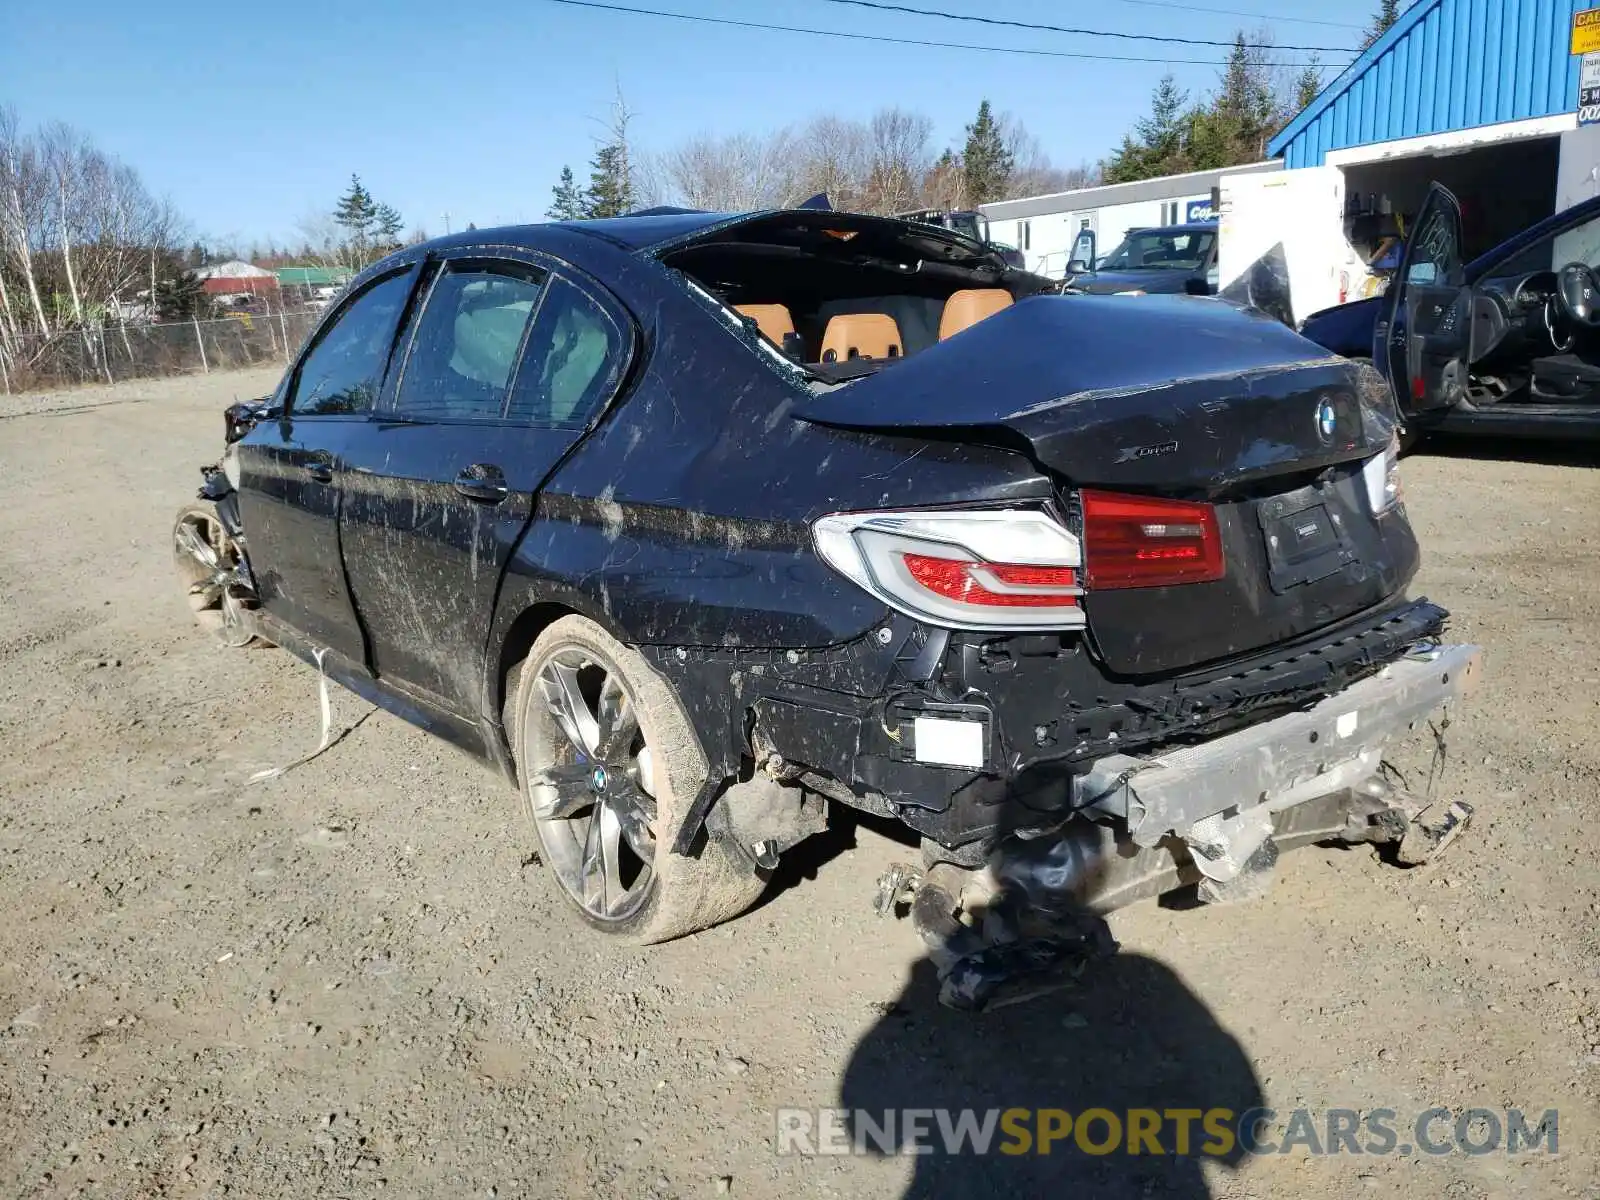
(1444, 65)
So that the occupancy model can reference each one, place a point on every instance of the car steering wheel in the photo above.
(1578, 294)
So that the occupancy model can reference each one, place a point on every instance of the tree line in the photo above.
(886, 163)
(890, 162)
(80, 235)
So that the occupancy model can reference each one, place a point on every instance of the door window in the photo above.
(344, 370)
(1436, 249)
(466, 345)
(574, 357)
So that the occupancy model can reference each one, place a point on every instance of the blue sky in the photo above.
(250, 116)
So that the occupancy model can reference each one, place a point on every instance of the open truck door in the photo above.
(1422, 335)
(1281, 242)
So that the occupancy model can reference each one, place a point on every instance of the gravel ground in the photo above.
(351, 978)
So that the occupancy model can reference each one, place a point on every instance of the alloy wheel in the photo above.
(208, 562)
(592, 788)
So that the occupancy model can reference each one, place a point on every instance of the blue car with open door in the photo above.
(1507, 345)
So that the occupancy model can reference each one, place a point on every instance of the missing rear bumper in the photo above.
(1281, 763)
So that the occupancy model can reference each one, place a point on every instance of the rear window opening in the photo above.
(843, 295)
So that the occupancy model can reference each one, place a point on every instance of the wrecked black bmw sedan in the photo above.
(694, 525)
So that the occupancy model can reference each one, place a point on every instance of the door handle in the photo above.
(483, 482)
(319, 467)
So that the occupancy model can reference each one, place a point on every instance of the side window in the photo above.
(1436, 249)
(1579, 243)
(466, 344)
(574, 355)
(343, 371)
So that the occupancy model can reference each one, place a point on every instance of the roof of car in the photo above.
(653, 228)
(637, 231)
(1187, 227)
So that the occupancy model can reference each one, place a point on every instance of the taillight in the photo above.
(1145, 541)
(1382, 477)
(985, 569)
(1001, 585)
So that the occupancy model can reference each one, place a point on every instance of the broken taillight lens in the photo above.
(985, 569)
(1382, 477)
(1146, 541)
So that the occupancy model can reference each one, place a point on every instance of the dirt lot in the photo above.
(349, 978)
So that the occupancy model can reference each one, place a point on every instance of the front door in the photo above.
(1423, 331)
(290, 469)
(508, 365)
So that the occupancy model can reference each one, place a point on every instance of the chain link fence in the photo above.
(116, 352)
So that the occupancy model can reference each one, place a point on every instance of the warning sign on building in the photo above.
(1589, 90)
(1586, 31)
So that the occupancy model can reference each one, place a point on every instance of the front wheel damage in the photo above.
(1031, 921)
(216, 575)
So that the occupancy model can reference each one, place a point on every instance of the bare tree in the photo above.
(741, 171)
(834, 159)
(898, 144)
(1032, 172)
(65, 159)
(885, 164)
(21, 204)
(80, 235)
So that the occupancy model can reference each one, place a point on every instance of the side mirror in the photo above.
(1081, 259)
(1196, 286)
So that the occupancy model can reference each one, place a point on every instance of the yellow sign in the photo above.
(1586, 31)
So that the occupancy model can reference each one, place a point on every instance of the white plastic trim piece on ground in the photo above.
(328, 739)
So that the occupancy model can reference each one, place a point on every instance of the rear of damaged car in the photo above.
(1095, 598)
(1144, 617)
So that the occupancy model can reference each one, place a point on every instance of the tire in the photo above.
(608, 773)
(201, 548)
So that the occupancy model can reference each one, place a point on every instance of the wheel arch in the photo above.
(522, 614)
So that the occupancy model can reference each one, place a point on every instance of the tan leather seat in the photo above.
(861, 335)
(969, 306)
(772, 319)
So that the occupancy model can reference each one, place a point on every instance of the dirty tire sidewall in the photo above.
(717, 881)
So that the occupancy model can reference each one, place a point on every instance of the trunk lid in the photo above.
(1183, 397)
(1178, 394)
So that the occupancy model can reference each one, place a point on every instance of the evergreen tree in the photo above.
(180, 297)
(1158, 145)
(357, 212)
(1307, 84)
(610, 190)
(388, 223)
(1388, 13)
(987, 160)
(568, 202)
(1235, 127)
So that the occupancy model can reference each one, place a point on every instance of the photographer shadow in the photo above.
(1128, 1036)
(1121, 1038)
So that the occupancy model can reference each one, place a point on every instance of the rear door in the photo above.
(290, 469)
(508, 361)
(1423, 331)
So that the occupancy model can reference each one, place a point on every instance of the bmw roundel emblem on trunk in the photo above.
(1327, 420)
